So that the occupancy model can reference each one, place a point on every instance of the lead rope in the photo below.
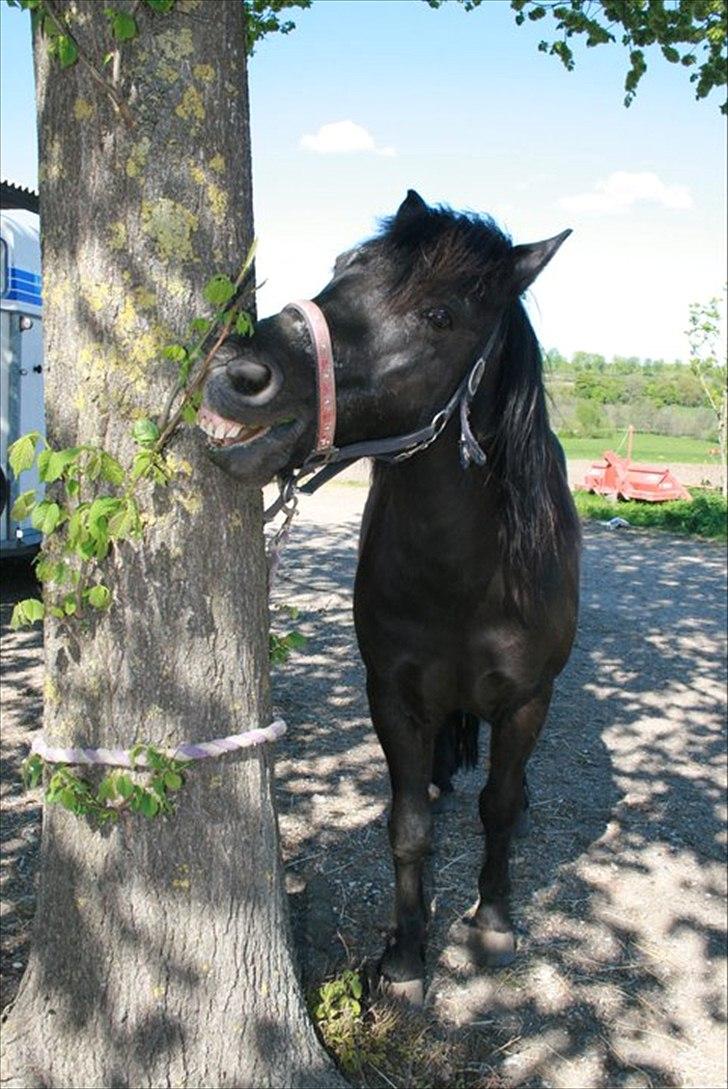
(288, 502)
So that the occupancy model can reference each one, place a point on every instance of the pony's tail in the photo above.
(456, 747)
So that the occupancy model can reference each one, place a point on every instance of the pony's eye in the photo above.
(439, 317)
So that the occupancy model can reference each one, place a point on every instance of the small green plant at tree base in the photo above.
(336, 1007)
(117, 792)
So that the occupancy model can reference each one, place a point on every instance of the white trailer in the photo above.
(21, 373)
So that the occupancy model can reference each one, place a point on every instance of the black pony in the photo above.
(467, 586)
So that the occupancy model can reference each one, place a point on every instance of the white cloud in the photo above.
(343, 138)
(621, 190)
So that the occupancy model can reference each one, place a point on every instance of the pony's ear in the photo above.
(529, 260)
(412, 207)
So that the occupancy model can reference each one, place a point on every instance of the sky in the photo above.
(368, 98)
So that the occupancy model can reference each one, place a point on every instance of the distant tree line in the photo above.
(591, 396)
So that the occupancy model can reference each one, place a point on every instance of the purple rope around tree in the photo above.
(121, 758)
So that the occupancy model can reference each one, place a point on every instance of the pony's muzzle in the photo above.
(254, 381)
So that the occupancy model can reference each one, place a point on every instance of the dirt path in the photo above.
(619, 889)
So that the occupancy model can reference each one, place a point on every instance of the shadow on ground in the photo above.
(22, 709)
(618, 889)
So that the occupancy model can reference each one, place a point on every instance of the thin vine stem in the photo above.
(167, 427)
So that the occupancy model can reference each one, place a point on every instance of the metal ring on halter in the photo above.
(288, 491)
(439, 423)
(476, 376)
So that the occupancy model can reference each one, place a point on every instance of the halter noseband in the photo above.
(326, 460)
(318, 331)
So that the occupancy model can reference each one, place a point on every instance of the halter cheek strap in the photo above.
(318, 331)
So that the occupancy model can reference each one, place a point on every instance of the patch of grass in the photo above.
(383, 1044)
(647, 447)
(704, 516)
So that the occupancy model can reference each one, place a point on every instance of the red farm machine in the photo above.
(621, 478)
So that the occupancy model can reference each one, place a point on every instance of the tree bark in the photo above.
(161, 953)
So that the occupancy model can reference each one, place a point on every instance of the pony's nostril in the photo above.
(248, 377)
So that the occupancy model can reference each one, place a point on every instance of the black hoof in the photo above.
(472, 946)
(410, 992)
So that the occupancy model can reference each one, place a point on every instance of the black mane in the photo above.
(538, 521)
(441, 247)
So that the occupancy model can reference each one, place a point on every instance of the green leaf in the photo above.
(148, 804)
(32, 771)
(124, 786)
(22, 506)
(161, 6)
(111, 469)
(145, 432)
(107, 788)
(244, 324)
(200, 325)
(219, 290)
(53, 463)
(123, 26)
(46, 516)
(69, 605)
(155, 759)
(66, 51)
(149, 463)
(67, 798)
(99, 596)
(126, 522)
(27, 612)
(176, 352)
(189, 413)
(172, 780)
(100, 510)
(141, 464)
(21, 453)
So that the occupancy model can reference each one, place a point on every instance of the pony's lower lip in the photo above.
(258, 460)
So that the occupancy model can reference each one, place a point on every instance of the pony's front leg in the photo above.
(408, 747)
(488, 934)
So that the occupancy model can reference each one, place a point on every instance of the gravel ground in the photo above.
(619, 888)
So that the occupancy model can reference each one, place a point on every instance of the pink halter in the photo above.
(318, 330)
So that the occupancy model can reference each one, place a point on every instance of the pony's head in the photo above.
(408, 312)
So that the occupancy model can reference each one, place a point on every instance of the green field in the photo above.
(659, 448)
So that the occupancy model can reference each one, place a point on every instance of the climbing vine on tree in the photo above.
(96, 502)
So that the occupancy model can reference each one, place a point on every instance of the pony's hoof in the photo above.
(476, 947)
(411, 992)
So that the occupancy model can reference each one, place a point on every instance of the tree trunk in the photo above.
(162, 953)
